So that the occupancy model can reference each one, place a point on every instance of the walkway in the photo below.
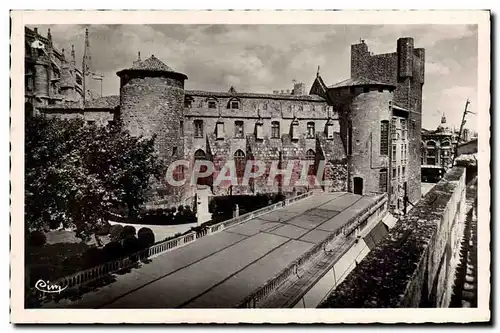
(220, 270)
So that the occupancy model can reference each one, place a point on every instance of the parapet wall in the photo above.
(414, 265)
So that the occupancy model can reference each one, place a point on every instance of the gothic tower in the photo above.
(92, 82)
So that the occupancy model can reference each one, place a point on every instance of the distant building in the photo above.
(438, 145)
(366, 129)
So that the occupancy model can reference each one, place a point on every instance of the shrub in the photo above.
(37, 238)
(112, 250)
(115, 232)
(128, 231)
(146, 237)
(93, 257)
(54, 224)
(130, 245)
(103, 229)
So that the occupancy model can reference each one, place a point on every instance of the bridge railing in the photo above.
(252, 300)
(95, 273)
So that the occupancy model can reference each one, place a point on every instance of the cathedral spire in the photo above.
(87, 57)
(87, 69)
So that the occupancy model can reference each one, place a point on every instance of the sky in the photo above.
(263, 58)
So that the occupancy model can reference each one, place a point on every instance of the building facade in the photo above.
(438, 146)
(360, 135)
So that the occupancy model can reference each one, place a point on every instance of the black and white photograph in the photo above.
(242, 162)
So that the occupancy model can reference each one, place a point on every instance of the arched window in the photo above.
(310, 130)
(445, 144)
(311, 156)
(431, 143)
(200, 155)
(239, 161)
(275, 129)
(188, 102)
(212, 104)
(233, 103)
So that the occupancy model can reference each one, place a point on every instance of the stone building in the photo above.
(51, 78)
(361, 135)
(405, 71)
(438, 146)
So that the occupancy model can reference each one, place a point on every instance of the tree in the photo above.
(75, 173)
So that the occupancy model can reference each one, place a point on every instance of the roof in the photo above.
(254, 95)
(359, 82)
(397, 107)
(472, 141)
(105, 102)
(152, 64)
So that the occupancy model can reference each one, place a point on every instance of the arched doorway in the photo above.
(240, 163)
(358, 185)
(200, 155)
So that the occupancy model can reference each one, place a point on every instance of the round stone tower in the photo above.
(151, 103)
(365, 117)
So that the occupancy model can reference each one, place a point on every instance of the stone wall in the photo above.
(405, 69)
(414, 265)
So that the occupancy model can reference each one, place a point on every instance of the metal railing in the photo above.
(95, 273)
(252, 300)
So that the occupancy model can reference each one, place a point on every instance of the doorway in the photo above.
(358, 185)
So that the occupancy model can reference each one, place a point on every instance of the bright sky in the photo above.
(263, 58)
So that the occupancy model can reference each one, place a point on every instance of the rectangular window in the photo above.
(310, 130)
(198, 128)
(393, 152)
(235, 105)
(404, 129)
(404, 172)
(384, 138)
(402, 152)
(212, 104)
(406, 152)
(181, 128)
(393, 172)
(383, 180)
(399, 171)
(188, 103)
(174, 151)
(238, 129)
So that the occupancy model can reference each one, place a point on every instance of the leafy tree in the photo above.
(75, 173)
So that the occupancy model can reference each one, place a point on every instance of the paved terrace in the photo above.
(220, 270)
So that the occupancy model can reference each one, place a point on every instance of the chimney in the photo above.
(288, 91)
(36, 31)
(299, 89)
